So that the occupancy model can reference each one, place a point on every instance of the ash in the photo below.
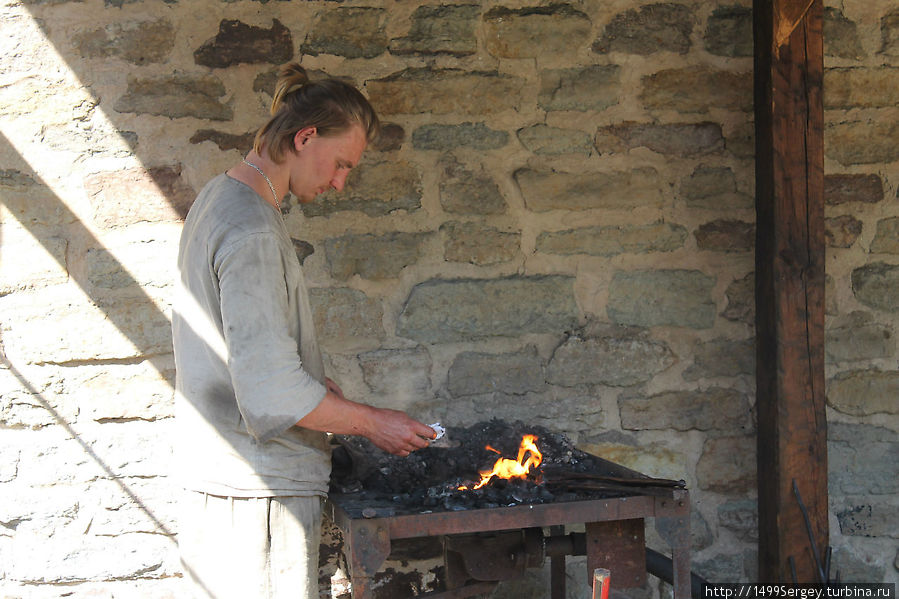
(429, 479)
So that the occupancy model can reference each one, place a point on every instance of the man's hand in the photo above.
(395, 432)
(392, 431)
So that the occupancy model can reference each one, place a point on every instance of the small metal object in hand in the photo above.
(439, 430)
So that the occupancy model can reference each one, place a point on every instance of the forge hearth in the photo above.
(493, 533)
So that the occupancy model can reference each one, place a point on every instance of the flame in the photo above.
(506, 468)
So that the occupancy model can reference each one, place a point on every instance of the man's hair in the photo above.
(331, 106)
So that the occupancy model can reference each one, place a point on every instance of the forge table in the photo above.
(614, 533)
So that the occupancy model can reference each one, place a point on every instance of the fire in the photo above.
(506, 468)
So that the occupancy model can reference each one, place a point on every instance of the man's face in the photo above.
(323, 163)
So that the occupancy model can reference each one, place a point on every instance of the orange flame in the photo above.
(505, 468)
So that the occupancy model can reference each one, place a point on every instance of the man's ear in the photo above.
(302, 137)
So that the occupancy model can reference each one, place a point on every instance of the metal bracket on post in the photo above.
(369, 546)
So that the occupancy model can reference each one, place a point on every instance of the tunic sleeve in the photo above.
(273, 389)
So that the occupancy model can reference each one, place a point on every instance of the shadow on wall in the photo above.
(48, 220)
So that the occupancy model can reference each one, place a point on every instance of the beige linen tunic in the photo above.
(248, 365)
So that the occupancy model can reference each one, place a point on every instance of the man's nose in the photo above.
(339, 180)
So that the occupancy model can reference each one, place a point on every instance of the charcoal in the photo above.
(429, 479)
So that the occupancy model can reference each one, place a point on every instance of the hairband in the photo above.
(293, 88)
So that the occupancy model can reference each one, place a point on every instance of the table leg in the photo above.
(368, 545)
(679, 527)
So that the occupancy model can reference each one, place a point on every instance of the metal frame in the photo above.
(368, 532)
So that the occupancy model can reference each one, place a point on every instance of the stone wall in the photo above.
(557, 226)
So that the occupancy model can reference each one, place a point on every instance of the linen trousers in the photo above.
(244, 548)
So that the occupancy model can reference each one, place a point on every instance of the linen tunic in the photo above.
(248, 365)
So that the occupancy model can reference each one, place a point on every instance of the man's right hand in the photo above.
(392, 431)
(397, 433)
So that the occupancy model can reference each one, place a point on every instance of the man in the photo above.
(252, 401)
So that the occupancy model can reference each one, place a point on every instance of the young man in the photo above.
(252, 401)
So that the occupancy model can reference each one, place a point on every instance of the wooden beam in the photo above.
(792, 428)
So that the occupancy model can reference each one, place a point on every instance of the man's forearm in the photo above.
(390, 430)
(338, 415)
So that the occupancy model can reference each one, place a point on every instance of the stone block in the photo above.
(464, 191)
(862, 142)
(856, 338)
(474, 243)
(741, 140)
(444, 29)
(544, 140)
(375, 189)
(441, 311)
(653, 459)
(341, 314)
(728, 465)
(729, 32)
(617, 359)
(858, 565)
(646, 298)
(81, 330)
(617, 190)
(155, 194)
(862, 460)
(30, 201)
(842, 231)
(85, 558)
(374, 256)
(404, 375)
(865, 517)
(390, 137)
(350, 32)
(476, 136)
(237, 43)
(714, 188)
(685, 140)
(533, 32)
(742, 518)
(864, 392)
(123, 392)
(723, 566)
(225, 141)
(722, 358)
(847, 88)
(889, 33)
(700, 533)
(512, 373)
(115, 508)
(583, 89)
(841, 35)
(443, 91)
(26, 405)
(877, 285)
(725, 236)
(886, 239)
(567, 411)
(136, 265)
(741, 300)
(660, 27)
(613, 240)
(715, 409)
(40, 259)
(176, 96)
(137, 42)
(843, 188)
(697, 89)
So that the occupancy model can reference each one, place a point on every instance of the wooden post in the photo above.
(792, 429)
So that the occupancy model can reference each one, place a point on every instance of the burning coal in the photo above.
(506, 468)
